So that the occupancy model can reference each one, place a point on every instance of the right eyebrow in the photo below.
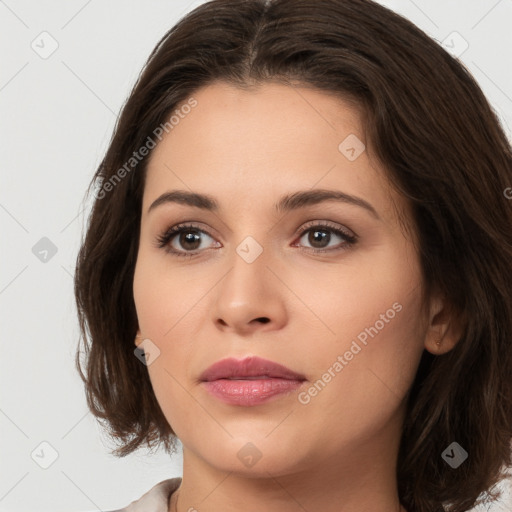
(194, 199)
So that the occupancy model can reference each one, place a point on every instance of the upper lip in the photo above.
(251, 366)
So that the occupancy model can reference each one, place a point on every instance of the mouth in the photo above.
(258, 377)
(250, 391)
(250, 381)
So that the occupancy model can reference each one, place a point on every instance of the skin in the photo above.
(247, 149)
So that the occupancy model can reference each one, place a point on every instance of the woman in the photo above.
(302, 222)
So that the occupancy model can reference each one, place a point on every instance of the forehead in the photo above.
(271, 117)
(262, 142)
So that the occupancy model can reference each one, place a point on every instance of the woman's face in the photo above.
(270, 283)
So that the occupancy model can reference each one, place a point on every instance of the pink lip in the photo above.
(234, 381)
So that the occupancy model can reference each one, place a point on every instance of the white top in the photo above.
(154, 500)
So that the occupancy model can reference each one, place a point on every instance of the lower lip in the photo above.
(250, 392)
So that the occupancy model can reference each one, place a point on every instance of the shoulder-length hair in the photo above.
(444, 151)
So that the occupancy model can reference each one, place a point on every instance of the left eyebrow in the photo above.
(304, 198)
(289, 202)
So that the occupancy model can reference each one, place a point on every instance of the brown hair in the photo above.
(444, 150)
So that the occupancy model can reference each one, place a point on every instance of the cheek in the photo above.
(160, 295)
(160, 305)
(167, 309)
(365, 388)
(374, 325)
(385, 336)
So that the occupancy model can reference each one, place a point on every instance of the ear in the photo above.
(138, 338)
(444, 329)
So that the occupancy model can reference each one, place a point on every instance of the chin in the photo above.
(254, 457)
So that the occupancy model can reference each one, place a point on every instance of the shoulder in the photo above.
(154, 500)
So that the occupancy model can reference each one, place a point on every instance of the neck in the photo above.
(359, 478)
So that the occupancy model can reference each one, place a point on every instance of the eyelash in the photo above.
(162, 241)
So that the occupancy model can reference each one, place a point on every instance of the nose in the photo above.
(250, 297)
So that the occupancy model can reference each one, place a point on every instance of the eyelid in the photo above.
(329, 224)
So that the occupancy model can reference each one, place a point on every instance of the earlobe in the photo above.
(138, 338)
(444, 330)
(438, 343)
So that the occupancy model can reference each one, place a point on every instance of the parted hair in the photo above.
(443, 149)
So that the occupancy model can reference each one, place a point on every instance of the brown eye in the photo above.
(182, 240)
(189, 240)
(319, 236)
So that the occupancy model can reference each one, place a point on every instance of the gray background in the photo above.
(58, 112)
